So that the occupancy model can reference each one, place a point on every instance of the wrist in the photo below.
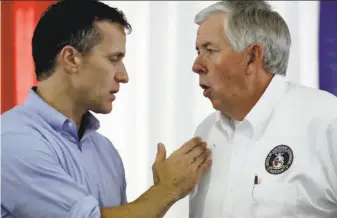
(167, 192)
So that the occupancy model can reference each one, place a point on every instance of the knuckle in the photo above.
(197, 150)
(197, 138)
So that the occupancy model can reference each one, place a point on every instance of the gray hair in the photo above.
(254, 22)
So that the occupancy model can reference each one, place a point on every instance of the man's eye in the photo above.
(209, 50)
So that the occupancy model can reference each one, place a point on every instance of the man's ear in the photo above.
(71, 59)
(254, 58)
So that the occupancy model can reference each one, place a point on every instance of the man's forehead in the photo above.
(109, 28)
(212, 29)
(209, 36)
(113, 37)
(213, 23)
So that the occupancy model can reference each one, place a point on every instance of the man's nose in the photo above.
(198, 67)
(122, 77)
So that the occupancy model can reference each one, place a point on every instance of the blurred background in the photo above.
(163, 101)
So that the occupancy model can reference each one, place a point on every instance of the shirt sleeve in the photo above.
(332, 142)
(124, 196)
(34, 185)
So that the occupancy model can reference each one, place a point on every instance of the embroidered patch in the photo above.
(279, 159)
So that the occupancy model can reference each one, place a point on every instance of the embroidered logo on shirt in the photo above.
(279, 159)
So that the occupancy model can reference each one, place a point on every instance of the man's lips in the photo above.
(206, 89)
(113, 94)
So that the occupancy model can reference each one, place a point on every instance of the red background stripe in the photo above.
(18, 19)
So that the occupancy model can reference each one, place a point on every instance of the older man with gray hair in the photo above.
(274, 143)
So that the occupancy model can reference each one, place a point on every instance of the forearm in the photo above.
(154, 203)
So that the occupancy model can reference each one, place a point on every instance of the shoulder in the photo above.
(307, 104)
(20, 132)
(205, 126)
(21, 120)
(306, 96)
(313, 107)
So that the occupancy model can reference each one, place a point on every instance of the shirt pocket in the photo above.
(274, 200)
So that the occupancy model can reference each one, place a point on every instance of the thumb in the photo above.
(161, 152)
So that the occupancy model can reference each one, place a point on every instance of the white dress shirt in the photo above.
(280, 161)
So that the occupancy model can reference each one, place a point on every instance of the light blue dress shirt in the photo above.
(46, 171)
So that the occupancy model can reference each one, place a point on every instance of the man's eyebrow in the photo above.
(204, 45)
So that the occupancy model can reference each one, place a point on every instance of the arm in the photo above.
(35, 185)
(174, 177)
(154, 203)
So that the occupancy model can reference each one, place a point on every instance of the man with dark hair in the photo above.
(54, 162)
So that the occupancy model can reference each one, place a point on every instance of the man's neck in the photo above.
(61, 100)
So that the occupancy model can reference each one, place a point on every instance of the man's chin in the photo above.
(216, 104)
(105, 109)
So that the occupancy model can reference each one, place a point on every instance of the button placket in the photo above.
(240, 142)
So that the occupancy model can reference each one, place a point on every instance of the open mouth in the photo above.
(204, 87)
(206, 90)
(114, 92)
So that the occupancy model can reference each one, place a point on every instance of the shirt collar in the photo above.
(54, 118)
(260, 113)
(224, 122)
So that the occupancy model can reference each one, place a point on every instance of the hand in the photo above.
(182, 170)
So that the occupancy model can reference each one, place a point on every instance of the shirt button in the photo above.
(70, 125)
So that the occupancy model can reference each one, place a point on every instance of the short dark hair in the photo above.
(70, 22)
